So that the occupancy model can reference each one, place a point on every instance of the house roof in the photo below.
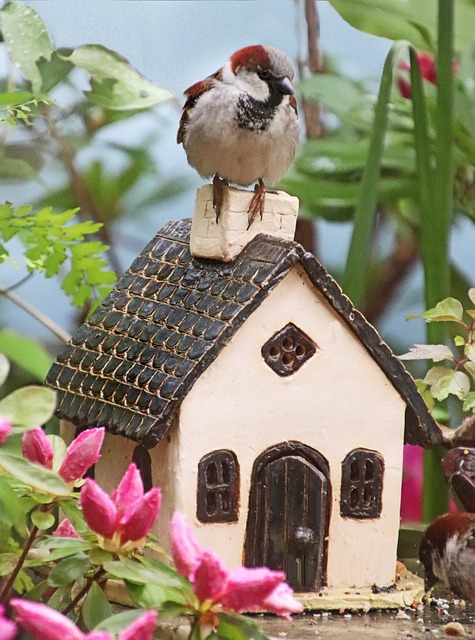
(132, 363)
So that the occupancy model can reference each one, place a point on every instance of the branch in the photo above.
(35, 313)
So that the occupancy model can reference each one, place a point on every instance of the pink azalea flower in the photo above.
(37, 448)
(81, 454)
(125, 518)
(65, 529)
(428, 72)
(7, 629)
(47, 624)
(241, 589)
(5, 428)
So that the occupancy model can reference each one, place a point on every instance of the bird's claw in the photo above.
(256, 206)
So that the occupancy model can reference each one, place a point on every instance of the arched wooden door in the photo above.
(289, 513)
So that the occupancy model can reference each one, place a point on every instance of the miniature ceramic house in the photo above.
(257, 397)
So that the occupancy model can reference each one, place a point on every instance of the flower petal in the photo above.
(5, 428)
(65, 529)
(129, 490)
(282, 602)
(98, 509)
(185, 547)
(37, 448)
(98, 635)
(140, 516)
(44, 623)
(209, 577)
(247, 589)
(7, 629)
(81, 454)
(142, 628)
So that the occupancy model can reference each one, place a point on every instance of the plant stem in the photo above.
(89, 581)
(4, 596)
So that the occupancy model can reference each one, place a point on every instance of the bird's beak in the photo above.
(284, 86)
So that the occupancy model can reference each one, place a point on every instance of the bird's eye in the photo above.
(264, 74)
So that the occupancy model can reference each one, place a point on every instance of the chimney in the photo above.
(225, 239)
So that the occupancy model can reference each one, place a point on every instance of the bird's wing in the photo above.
(192, 94)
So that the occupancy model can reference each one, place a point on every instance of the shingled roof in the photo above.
(131, 365)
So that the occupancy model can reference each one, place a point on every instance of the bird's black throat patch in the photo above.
(256, 115)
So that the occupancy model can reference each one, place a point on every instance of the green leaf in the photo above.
(4, 369)
(96, 607)
(120, 621)
(36, 594)
(444, 382)
(29, 407)
(233, 626)
(415, 21)
(27, 40)
(69, 570)
(32, 474)
(8, 562)
(115, 83)
(26, 353)
(15, 97)
(11, 509)
(471, 295)
(469, 351)
(145, 571)
(469, 402)
(448, 310)
(435, 352)
(42, 519)
(152, 596)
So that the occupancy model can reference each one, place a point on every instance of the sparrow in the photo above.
(447, 553)
(459, 470)
(240, 124)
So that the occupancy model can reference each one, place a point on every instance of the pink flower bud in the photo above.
(44, 623)
(129, 490)
(5, 428)
(98, 509)
(246, 589)
(142, 628)
(7, 629)
(140, 516)
(37, 448)
(209, 577)
(65, 530)
(185, 547)
(81, 454)
(282, 602)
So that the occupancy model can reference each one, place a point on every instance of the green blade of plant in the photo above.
(26, 353)
(27, 40)
(115, 83)
(357, 265)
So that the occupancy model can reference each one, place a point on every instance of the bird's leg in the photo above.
(218, 194)
(256, 205)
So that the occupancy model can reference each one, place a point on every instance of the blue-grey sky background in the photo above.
(177, 42)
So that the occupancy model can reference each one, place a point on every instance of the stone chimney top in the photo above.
(225, 239)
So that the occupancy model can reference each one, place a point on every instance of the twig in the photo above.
(95, 578)
(8, 587)
(35, 313)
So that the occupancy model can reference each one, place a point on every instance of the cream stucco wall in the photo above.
(339, 400)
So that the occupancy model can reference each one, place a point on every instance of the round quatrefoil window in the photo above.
(288, 350)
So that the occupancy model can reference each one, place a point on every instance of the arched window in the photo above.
(218, 487)
(362, 474)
